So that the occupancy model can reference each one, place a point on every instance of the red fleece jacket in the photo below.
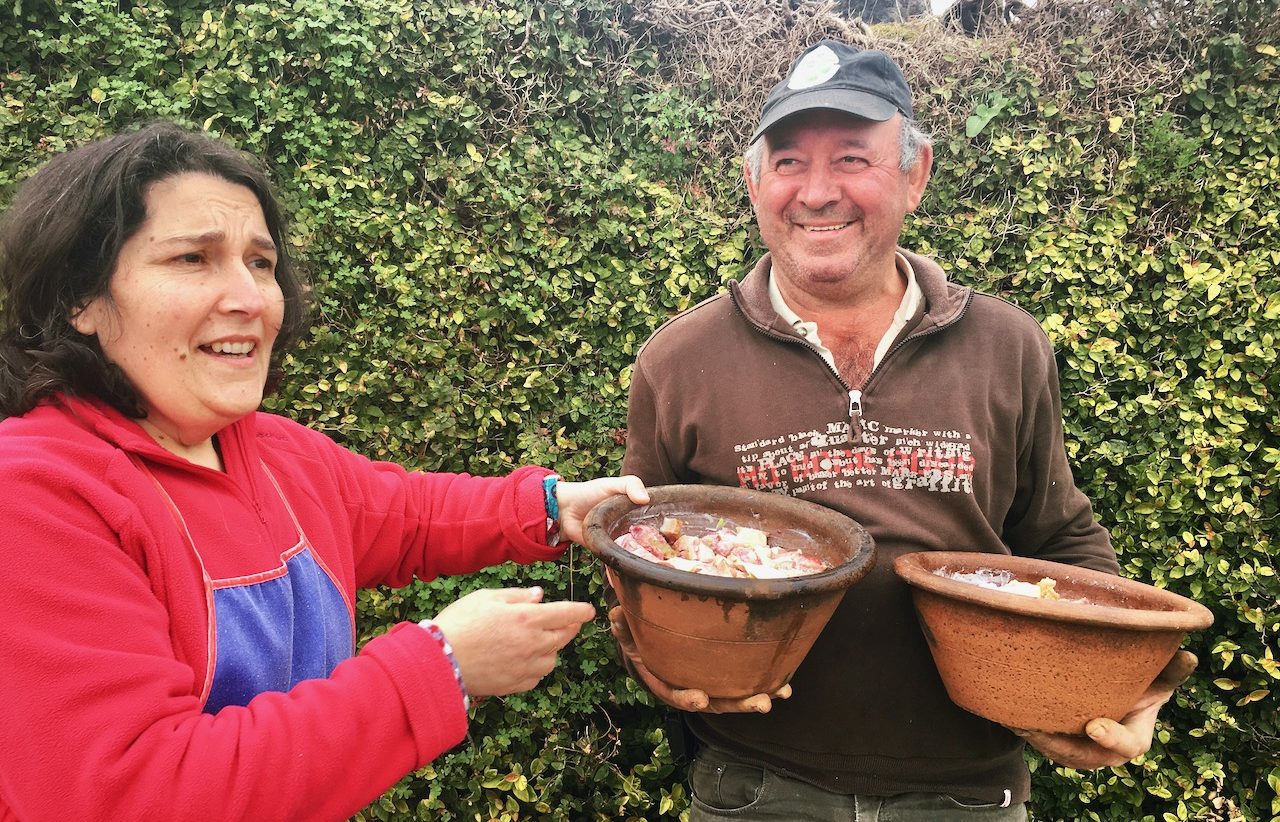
(105, 630)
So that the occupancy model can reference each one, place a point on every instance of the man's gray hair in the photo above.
(911, 139)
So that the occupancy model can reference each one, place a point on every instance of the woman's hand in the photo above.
(1108, 743)
(577, 498)
(506, 639)
(686, 699)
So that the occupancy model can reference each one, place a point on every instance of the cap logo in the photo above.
(814, 69)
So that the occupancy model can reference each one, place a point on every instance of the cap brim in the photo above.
(851, 101)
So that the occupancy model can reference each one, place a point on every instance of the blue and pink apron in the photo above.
(270, 630)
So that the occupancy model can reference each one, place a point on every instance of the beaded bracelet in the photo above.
(549, 483)
(438, 636)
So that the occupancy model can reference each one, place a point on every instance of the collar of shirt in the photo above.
(911, 299)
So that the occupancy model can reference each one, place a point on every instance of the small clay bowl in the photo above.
(1041, 664)
(728, 637)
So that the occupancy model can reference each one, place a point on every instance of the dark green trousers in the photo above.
(726, 789)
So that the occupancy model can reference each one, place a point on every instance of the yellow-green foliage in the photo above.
(498, 201)
(1147, 245)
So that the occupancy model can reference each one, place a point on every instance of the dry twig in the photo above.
(745, 46)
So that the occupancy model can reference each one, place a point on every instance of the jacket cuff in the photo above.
(527, 520)
(429, 691)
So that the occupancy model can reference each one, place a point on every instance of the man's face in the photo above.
(831, 200)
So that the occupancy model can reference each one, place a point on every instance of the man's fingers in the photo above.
(758, 704)
(621, 630)
(1116, 738)
(1176, 672)
(1165, 683)
(1071, 751)
(686, 699)
(618, 619)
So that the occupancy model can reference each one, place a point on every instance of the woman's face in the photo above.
(193, 307)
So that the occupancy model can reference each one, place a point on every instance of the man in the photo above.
(848, 371)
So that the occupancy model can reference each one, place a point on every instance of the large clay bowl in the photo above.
(1046, 665)
(728, 637)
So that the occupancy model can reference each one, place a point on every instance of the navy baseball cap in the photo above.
(833, 75)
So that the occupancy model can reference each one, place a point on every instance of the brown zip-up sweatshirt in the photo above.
(954, 442)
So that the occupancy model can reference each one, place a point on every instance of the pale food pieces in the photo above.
(726, 551)
(1004, 581)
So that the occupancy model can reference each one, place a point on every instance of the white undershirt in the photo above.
(906, 310)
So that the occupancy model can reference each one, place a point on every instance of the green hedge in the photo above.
(497, 202)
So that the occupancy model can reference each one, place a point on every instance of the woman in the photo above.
(179, 569)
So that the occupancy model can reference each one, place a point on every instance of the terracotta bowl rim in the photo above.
(833, 580)
(917, 569)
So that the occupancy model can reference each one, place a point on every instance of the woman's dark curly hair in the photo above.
(59, 243)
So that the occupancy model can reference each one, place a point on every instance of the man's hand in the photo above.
(1109, 743)
(686, 699)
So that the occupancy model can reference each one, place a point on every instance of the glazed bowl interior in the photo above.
(790, 523)
(1086, 597)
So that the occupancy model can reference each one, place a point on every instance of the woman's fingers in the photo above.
(506, 640)
(576, 499)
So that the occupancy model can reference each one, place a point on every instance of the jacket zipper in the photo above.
(249, 494)
(855, 394)
(855, 414)
(933, 329)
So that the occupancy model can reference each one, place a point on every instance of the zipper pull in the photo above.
(855, 415)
